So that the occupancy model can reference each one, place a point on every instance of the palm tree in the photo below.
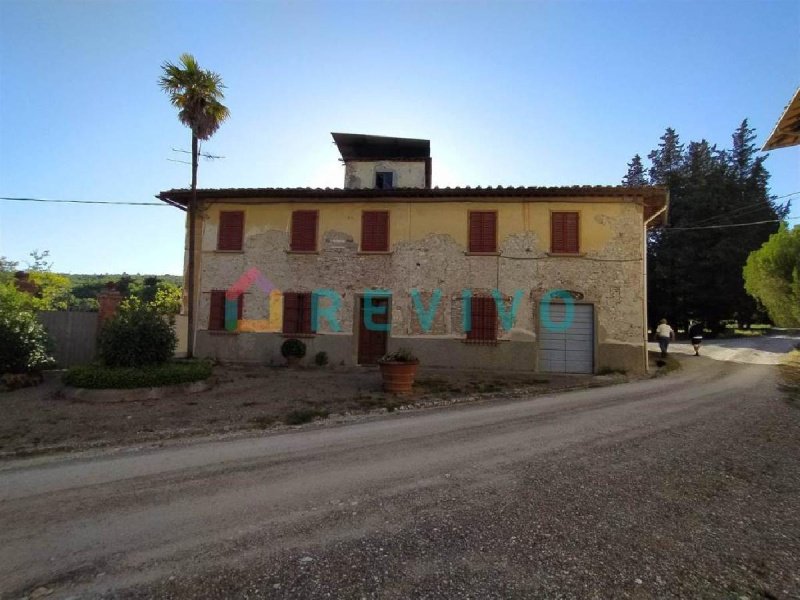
(197, 94)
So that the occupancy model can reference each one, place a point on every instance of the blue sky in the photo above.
(522, 93)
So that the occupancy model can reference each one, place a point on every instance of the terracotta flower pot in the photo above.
(398, 377)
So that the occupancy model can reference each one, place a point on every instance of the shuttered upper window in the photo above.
(375, 231)
(304, 231)
(216, 317)
(231, 230)
(297, 312)
(564, 233)
(484, 320)
(482, 231)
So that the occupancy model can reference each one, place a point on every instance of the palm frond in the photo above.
(197, 93)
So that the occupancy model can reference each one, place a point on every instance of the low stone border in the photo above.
(134, 394)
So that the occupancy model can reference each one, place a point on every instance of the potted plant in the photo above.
(398, 370)
(293, 350)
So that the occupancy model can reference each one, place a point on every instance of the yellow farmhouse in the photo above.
(549, 279)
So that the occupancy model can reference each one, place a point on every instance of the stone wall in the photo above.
(607, 275)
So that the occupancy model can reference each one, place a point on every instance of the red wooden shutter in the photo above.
(484, 320)
(297, 312)
(304, 313)
(483, 231)
(290, 321)
(231, 230)
(564, 232)
(375, 231)
(304, 231)
(216, 316)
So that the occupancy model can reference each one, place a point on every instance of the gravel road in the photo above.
(681, 486)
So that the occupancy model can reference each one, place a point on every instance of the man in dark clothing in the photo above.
(696, 333)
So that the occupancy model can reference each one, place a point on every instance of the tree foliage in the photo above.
(24, 343)
(697, 273)
(772, 275)
(136, 336)
(196, 93)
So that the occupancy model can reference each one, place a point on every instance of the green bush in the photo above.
(304, 415)
(321, 359)
(293, 347)
(136, 336)
(24, 343)
(102, 377)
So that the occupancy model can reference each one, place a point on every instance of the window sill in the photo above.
(222, 332)
(374, 252)
(298, 335)
(566, 254)
(482, 253)
(218, 251)
(302, 252)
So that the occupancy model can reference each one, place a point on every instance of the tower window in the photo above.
(384, 180)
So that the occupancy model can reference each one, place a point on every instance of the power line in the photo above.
(83, 201)
(744, 210)
(732, 225)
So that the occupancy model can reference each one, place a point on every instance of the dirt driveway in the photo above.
(49, 418)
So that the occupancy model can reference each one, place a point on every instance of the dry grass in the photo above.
(46, 419)
(790, 375)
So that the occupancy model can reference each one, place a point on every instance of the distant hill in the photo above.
(87, 286)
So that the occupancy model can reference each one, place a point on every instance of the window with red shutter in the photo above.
(297, 312)
(216, 317)
(484, 320)
(375, 231)
(564, 233)
(231, 230)
(482, 231)
(304, 231)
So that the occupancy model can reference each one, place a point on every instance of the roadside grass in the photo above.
(664, 366)
(790, 376)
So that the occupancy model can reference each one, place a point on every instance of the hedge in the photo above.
(172, 373)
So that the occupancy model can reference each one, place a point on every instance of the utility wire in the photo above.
(84, 201)
(732, 225)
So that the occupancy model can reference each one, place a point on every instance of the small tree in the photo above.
(137, 336)
(772, 275)
(24, 343)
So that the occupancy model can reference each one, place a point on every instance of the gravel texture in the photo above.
(685, 486)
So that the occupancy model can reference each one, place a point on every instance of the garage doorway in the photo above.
(571, 350)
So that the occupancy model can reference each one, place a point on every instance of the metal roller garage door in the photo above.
(571, 350)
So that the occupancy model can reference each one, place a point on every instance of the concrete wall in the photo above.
(361, 174)
(428, 243)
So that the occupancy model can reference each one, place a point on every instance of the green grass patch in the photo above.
(172, 373)
(611, 371)
(663, 365)
(264, 421)
(790, 374)
(304, 415)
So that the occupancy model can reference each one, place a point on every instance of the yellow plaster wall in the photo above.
(412, 221)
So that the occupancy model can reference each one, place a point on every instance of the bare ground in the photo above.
(49, 418)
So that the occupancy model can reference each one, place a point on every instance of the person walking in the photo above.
(696, 333)
(665, 334)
